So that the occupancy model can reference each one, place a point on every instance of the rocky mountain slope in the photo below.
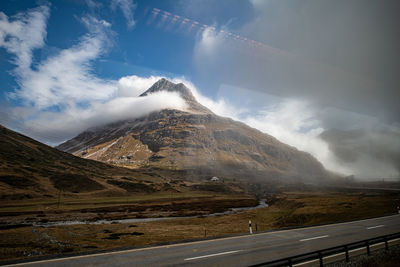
(196, 141)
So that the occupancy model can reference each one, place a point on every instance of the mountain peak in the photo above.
(168, 86)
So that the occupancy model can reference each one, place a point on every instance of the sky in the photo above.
(322, 76)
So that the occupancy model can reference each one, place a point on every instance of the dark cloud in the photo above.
(337, 53)
(369, 154)
(340, 56)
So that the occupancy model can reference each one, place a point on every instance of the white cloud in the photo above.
(23, 33)
(127, 7)
(92, 4)
(131, 86)
(221, 106)
(66, 77)
(293, 122)
(209, 41)
(61, 126)
(55, 126)
(95, 25)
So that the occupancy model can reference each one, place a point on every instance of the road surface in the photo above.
(239, 250)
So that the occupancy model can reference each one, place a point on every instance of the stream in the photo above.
(261, 204)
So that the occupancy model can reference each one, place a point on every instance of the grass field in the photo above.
(76, 203)
(117, 208)
(287, 209)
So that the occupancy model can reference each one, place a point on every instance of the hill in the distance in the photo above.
(196, 141)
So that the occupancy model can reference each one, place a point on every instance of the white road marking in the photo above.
(194, 242)
(312, 238)
(213, 255)
(377, 226)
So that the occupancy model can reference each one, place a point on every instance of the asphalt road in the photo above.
(239, 250)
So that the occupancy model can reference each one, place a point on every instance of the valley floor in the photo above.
(137, 206)
(286, 209)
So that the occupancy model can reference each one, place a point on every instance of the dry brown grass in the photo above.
(287, 210)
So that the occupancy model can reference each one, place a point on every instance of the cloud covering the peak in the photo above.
(55, 127)
(61, 95)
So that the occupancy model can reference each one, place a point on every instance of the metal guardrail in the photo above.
(320, 254)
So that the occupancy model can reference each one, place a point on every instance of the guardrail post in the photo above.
(346, 249)
(321, 263)
(386, 243)
(368, 250)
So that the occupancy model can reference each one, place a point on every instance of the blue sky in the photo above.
(142, 49)
(292, 69)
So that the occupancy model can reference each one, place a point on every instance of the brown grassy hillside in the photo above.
(31, 169)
